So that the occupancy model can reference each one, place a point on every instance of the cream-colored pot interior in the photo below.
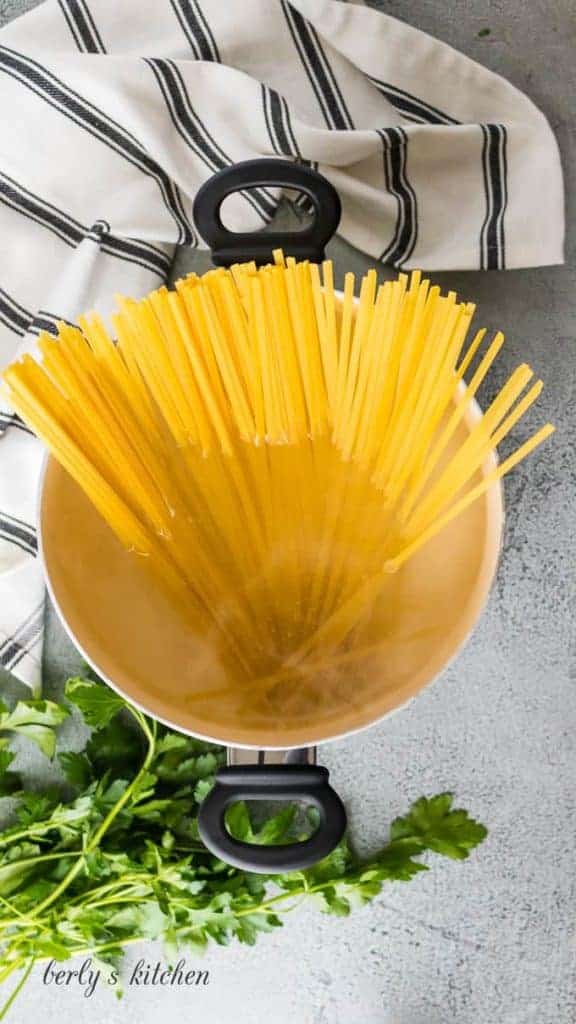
(128, 630)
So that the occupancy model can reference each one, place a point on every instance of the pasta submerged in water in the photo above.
(273, 449)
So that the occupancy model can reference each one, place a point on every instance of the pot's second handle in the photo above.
(272, 782)
(242, 246)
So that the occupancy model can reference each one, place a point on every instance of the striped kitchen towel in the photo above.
(115, 113)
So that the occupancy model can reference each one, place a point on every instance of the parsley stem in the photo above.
(119, 884)
(18, 988)
(34, 831)
(61, 855)
(95, 950)
(150, 734)
(302, 893)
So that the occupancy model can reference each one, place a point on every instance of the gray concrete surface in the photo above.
(490, 941)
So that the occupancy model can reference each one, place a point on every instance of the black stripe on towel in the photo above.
(278, 123)
(15, 647)
(133, 250)
(101, 126)
(317, 67)
(401, 246)
(16, 531)
(196, 29)
(13, 315)
(20, 320)
(195, 133)
(281, 133)
(494, 165)
(25, 202)
(45, 321)
(72, 232)
(287, 122)
(82, 26)
(10, 419)
(411, 107)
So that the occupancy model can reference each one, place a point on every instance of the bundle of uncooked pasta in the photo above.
(273, 447)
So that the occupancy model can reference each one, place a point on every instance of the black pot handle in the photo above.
(272, 782)
(239, 247)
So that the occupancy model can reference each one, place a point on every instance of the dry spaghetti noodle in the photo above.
(273, 449)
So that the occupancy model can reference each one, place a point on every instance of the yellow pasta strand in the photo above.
(273, 450)
(476, 492)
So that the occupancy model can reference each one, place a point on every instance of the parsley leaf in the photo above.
(116, 748)
(97, 702)
(10, 782)
(36, 720)
(76, 768)
(437, 826)
(121, 859)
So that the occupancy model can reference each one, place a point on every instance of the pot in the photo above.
(127, 631)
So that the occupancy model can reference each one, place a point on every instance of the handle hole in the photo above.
(271, 822)
(294, 210)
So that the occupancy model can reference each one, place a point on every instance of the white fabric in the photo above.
(114, 113)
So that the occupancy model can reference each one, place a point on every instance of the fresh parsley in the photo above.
(36, 720)
(117, 858)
